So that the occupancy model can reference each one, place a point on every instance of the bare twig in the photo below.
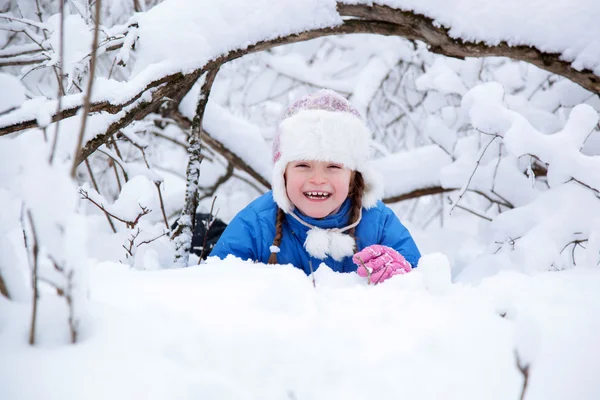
(88, 95)
(113, 143)
(34, 278)
(210, 191)
(162, 205)
(170, 139)
(112, 162)
(151, 240)
(24, 21)
(131, 240)
(61, 63)
(73, 322)
(3, 288)
(312, 273)
(471, 211)
(575, 243)
(157, 184)
(184, 123)
(249, 183)
(463, 191)
(362, 263)
(93, 179)
(129, 224)
(524, 369)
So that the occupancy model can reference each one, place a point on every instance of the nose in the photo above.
(318, 176)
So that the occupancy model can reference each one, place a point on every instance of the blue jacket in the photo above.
(250, 235)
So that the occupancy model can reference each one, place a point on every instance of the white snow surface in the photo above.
(230, 329)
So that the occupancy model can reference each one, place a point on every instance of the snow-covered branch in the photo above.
(417, 26)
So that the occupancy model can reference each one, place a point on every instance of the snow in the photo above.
(237, 330)
(167, 31)
(77, 47)
(13, 93)
(566, 27)
(519, 283)
(430, 159)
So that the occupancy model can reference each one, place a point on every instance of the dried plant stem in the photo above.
(471, 211)
(366, 269)
(524, 369)
(60, 75)
(113, 162)
(3, 289)
(162, 205)
(69, 298)
(128, 223)
(157, 184)
(34, 279)
(113, 144)
(88, 95)
(464, 190)
(93, 179)
(210, 191)
(312, 273)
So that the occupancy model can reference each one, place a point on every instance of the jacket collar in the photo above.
(337, 220)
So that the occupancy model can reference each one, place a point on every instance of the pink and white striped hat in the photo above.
(323, 126)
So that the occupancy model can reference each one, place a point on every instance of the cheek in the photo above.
(292, 183)
(343, 184)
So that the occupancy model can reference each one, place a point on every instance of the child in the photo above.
(325, 203)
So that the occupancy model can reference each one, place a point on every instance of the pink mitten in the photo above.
(381, 263)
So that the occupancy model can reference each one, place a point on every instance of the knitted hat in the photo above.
(323, 126)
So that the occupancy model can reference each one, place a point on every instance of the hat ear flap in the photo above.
(374, 188)
(278, 186)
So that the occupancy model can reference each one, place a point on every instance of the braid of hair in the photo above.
(278, 235)
(356, 193)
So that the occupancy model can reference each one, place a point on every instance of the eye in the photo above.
(335, 166)
(302, 165)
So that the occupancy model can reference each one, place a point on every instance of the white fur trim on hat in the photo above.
(325, 136)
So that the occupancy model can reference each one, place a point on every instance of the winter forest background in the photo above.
(120, 117)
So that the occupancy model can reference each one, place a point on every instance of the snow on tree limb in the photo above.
(419, 27)
(374, 19)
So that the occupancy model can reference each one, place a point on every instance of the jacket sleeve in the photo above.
(240, 237)
(396, 236)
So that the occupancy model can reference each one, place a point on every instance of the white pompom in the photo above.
(340, 245)
(317, 243)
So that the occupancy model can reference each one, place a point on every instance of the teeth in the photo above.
(317, 194)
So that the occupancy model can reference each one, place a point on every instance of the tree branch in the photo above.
(422, 28)
(220, 148)
(129, 224)
(182, 236)
(417, 193)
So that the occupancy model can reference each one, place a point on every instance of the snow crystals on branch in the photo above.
(547, 229)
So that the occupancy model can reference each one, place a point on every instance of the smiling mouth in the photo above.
(317, 195)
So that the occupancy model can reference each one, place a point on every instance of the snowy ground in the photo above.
(237, 330)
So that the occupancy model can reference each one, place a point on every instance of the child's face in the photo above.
(317, 188)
